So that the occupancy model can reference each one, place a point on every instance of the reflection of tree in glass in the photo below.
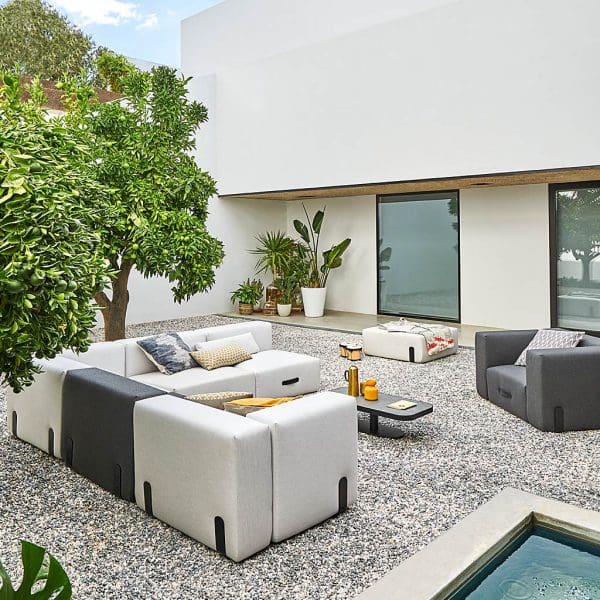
(578, 216)
(385, 254)
(453, 210)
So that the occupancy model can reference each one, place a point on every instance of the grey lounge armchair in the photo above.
(558, 390)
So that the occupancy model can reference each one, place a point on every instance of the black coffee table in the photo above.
(379, 408)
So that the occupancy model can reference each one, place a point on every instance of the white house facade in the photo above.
(460, 134)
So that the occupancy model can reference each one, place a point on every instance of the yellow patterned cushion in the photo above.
(225, 356)
(217, 399)
(246, 406)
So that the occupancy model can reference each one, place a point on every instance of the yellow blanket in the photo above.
(262, 402)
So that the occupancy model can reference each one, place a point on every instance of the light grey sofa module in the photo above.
(35, 415)
(315, 456)
(277, 373)
(558, 390)
(204, 472)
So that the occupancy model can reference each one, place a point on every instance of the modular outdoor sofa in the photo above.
(558, 390)
(234, 483)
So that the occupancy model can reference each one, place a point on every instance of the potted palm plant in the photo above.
(314, 291)
(273, 251)
(247, 295)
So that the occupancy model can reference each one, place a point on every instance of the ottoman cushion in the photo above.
(278, 373)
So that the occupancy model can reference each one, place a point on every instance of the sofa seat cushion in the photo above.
(507, 388)
(199, 381)
(279, 373)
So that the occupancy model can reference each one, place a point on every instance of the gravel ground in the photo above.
(410, 490)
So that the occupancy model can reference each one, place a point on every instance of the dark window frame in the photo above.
(553, 188)
(408, 196)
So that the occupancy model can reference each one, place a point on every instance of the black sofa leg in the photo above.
(342, 495)
(69, 452)
(220, 535)
(411, 354)
(51, 442)
(14, 423)
(559, 419)
(148, 498)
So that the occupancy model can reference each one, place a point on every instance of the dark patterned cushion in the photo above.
(550, 338)
(168, 352)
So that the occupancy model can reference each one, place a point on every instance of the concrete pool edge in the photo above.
(452, 558)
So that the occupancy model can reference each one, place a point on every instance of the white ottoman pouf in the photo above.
(278, 373)
(205, 472)
(410, 347)
(35, 414)
(315, 457)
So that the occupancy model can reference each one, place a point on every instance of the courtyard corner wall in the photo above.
(352, 287)
(505, 273)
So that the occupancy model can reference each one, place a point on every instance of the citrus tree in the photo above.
(143, 146)
(51, 264)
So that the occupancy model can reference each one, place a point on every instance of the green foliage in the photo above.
(41, 41)
(274, 250)
(248, 292)
(310, 234)
(578, 214)
(50, 261)
(43, 577)
(160, 196)
(112, 70)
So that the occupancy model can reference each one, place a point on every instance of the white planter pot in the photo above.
(284, 310)
(314, 301)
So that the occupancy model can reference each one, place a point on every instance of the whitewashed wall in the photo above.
(474, 86)
(352, 287)
(505, 260)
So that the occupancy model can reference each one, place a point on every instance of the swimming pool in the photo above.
(540, 563)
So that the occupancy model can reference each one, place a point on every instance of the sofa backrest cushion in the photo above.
(245, 340)
(261, 332)
(136, 361)
(193, 337)
(109, 356)
(589, 340)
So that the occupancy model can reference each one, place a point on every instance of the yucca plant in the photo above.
(43, 577)
(274, 250)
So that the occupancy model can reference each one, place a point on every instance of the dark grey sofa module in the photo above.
(97, 427)
(559, 390)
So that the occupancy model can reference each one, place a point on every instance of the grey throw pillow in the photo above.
(168, 352)
(550, 338)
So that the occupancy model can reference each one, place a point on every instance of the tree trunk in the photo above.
(114, 311)
(585, 270)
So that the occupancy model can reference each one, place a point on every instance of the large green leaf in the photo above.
(302, 230)
(40, 571)
(317, 221)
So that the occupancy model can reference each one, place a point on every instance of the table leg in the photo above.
(373, 424)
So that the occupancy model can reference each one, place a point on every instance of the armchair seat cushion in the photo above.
(507, 388)
(199, 381)
(278, 373)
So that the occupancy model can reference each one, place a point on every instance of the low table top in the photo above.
(380, 407)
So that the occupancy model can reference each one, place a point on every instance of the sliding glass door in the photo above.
(418, 255)
(575, 268)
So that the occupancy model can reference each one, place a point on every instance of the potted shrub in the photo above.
(314, 291)
(287, 292)
(273, 251)
(247, 295)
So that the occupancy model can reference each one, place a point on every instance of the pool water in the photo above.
(541, 564)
